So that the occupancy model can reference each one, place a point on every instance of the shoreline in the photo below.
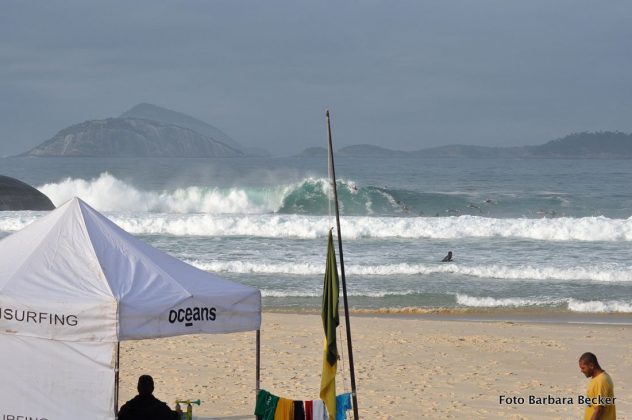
(406, 367)
(479, 315)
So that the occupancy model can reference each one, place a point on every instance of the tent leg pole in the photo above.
(116, 380)
(258, 367)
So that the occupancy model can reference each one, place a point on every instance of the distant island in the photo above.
(586, 145)
(148, 130)
(145, 130)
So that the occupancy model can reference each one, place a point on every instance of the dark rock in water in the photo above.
(16, 195)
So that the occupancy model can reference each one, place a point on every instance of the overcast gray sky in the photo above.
(400, 74)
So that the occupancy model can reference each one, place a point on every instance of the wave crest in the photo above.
(573, 305)
(307, 227)
(606, 273)
(107, 193)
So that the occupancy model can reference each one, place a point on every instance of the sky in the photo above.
(395, 73)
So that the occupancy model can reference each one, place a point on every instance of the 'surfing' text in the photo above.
(21, 315)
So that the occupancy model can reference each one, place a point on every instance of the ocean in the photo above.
(529, 237)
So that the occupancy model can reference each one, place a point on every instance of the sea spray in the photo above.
(107, 193)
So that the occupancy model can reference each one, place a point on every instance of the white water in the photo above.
(308, 227)
(107, 193)
(317, 292)
(264, 223)
(573, 305)
(598, 273)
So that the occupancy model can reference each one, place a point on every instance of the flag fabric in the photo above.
(329, 315)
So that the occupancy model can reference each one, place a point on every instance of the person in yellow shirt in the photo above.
(600, 397)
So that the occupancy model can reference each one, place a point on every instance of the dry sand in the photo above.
(405, 368)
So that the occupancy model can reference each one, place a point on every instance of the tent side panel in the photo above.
(237, 312)
(56, 380)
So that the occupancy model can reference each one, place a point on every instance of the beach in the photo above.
(537, 265)
(406, 367)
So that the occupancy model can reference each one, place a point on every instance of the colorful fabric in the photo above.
(308, 410)
(343, 404)
(329, 311)
(266, 405)
(330, 317)
(319, 410)
(299, 410)
(284, 410)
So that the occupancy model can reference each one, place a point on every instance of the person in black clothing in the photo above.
(145, 406)
(448, 257)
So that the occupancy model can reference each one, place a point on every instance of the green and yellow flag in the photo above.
(331, 320)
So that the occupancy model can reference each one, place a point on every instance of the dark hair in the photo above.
(589, 357)
(145, 385)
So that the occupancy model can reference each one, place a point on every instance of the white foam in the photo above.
(107, 193)
(245, 267)
(563, 229)
(306, 227)
(318, 293)
(490, 302)
(269, 226)
(596, 306)
(238, 211)
(604, 273)
(11, 221)
(573, 305)
(290, 293)
(560, 229)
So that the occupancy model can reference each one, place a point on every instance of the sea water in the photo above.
(532, 236)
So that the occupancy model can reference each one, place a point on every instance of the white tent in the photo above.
(72, 285)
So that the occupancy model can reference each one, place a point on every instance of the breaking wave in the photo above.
(598, 306)
(319, 293)
(107, 193)
(571, 304)
(301, 210)
(354, 227)
(490, 302)
(309, 196)
(604, 273)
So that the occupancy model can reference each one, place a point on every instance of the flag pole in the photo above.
(116, 379)
(258, 367)
(342, 272)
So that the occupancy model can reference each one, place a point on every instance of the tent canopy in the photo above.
(72, 284)
(74, 275)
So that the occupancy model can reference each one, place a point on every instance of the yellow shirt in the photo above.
(601, 386)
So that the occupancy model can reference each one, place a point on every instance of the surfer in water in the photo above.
(447, 258)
